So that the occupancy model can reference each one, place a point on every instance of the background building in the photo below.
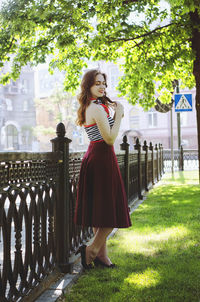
(54, 105)
(17, 113)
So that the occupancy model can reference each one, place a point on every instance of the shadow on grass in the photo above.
(162, 277)
(168, 206)
(166, 276)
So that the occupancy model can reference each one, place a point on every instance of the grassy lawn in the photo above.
(158, 258)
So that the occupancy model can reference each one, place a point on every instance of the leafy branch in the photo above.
(144, 35)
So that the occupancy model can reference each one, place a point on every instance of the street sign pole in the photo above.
(183, 103)
(172, 140)
(178, 129)
(163, 108)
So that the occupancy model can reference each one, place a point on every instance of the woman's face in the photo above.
(98, 89)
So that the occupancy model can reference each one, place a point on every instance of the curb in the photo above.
(57, 290)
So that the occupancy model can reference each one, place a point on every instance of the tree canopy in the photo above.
(33, 30)
(152, 42)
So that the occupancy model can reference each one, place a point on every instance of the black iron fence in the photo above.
(37, 201)
(28, 196)
(184, 159)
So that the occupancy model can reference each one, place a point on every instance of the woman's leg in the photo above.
(98, 242)
(103, 254)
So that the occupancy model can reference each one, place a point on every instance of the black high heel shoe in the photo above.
(98, 262)
(82, 251)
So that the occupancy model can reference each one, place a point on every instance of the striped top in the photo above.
(92, 130)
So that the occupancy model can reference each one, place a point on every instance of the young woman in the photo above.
(101, 198)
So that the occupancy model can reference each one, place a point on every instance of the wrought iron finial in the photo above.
(145, 147)
(60, 130)
(125, 144)
(150, 146)
(125, 139)
(137, 145)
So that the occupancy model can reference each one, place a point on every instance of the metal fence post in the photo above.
(125, 146)
(137, 146)
(181, 159)
(151, 148)
(61, 143)
(160, 160)
(145, 148)
(157, 162)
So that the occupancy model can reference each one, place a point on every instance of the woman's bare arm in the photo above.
(100, 117)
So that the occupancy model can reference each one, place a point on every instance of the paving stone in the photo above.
(63, 283)
(49, 295)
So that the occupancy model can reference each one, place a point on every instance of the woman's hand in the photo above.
(118, 108)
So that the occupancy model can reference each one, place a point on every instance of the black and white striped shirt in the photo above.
(92, 130)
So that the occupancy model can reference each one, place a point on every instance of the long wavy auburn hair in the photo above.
(84, 97)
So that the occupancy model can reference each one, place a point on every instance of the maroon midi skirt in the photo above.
(101, 197)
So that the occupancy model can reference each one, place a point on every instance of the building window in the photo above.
(11, 138)
(114, 77)
(152, 120)
(134, 118)
(46, 81)
(25, 105)
(14, 83)
(24, 86)
(9, 105)
(14, 86)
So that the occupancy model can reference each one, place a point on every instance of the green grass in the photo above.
(158, 258)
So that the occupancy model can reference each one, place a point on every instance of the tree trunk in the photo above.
(198, 115)
(195, 18)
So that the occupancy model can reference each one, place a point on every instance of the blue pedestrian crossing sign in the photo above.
(183, 102)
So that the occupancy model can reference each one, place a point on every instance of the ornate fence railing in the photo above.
(184, 159)
(27, 228)
(37, 201)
